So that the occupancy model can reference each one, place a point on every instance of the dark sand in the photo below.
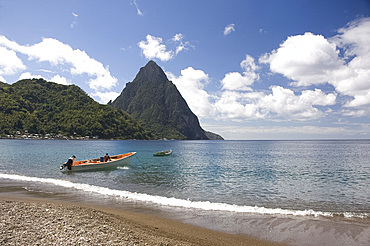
(31, 221)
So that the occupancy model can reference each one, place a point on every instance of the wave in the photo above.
(176, 202)
(123, 168)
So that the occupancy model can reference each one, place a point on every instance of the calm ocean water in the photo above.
(234, 186)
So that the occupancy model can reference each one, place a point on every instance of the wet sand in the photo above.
(33, 221)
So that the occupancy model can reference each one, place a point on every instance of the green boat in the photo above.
(163, 153)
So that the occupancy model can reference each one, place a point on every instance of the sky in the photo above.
(250, 70)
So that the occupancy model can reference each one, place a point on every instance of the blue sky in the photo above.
(248, 69)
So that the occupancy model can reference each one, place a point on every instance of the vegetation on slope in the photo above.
(44, 107)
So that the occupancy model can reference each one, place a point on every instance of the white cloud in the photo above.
(191, 86)
(180, 48)
(137, 9)
(105, 97)
(181, 45)
(341, 61)
(307, 59)
(237, 106)
(284, 102)
(58, 54)
(291, 132)
(75, 20)
(153, 47)
(355, 37)
(60, 80)
(56, 79)
(239, 102)
(228, 29)
(178, 37)
(28, 75)
(62, 59)
(9, 62)
(281, 103)
(237, 81)
(353, 79)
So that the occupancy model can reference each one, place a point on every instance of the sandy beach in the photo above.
(29, 221)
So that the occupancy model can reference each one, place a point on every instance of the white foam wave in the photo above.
(123, 168)
(175, 202)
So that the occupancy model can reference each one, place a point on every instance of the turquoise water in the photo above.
(328, 179)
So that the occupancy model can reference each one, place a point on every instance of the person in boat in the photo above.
(70, 162)
(106, 158)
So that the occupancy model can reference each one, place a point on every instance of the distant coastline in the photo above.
(47, 136)
(85, 138)
(37, 136)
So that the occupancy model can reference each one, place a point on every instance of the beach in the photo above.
(34, 221)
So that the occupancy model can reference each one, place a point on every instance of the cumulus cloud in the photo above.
(56, 79)
(102, 97)
(9, 62)
(59, 54)
(353, 79)
(56, 57)
(284, 102)
(60, 80)
(154, 47)
(238, 105)
(105, 97)
(28, 75)
(237, 81)
(239, 102)
(341, 61)
(228, 29)
(281, 103)
(307, 59)
(310, 62)
(354, 38)
(191, 86)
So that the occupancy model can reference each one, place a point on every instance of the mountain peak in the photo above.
(157, 104)
(151, 63)
(151, 72)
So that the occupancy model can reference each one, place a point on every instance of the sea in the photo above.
(294, 192)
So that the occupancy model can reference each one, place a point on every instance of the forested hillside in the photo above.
(41, 107)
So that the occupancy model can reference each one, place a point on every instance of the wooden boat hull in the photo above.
(96, 165)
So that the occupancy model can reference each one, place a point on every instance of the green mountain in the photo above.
(159, 107)
(41, 107)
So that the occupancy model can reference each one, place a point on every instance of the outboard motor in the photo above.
(63, 166)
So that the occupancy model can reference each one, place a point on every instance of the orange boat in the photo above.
(97, 164)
